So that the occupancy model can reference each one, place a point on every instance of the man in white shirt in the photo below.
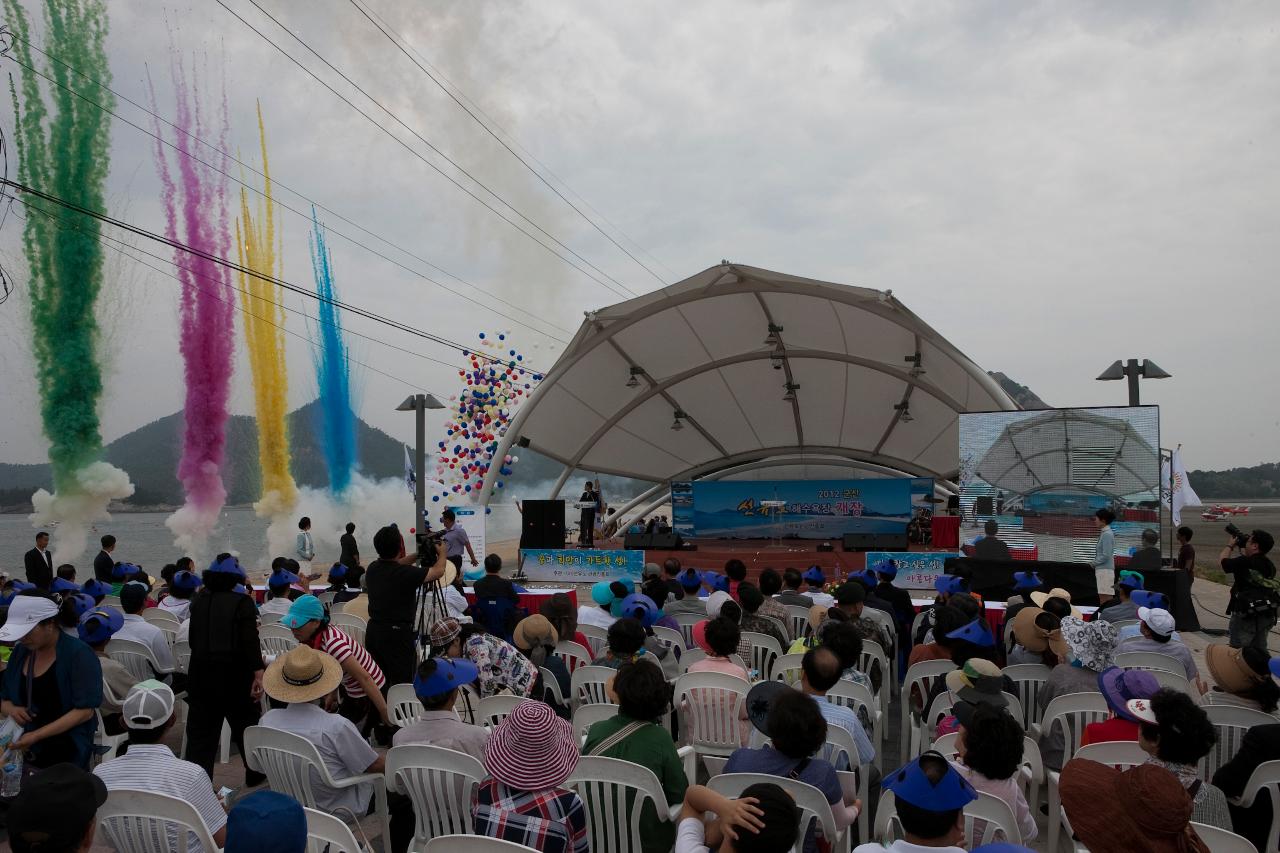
(1158, 636)
(930, 796)
(815, 580)
(436, 684)
(765, 812)
(278, 586)
(603, 594)
(820, 671)
(149, 765)
(133, 600)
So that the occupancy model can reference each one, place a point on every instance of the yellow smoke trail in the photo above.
(264, 335)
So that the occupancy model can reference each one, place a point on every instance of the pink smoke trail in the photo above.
(197, 213)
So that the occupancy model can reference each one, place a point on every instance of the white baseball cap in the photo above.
(26, 612)
(148, 705)
(1159, 621)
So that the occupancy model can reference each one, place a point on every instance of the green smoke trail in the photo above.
(63, 150)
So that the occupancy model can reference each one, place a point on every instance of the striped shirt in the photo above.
(154, 768)
(338, 643)
(553, 821)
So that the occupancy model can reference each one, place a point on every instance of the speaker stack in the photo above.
(542, 524)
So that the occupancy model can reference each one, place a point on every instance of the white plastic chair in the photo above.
(857, 698)
(328, 834)
(686, 621)
(550, 682)
(474, 844)
(160, 616)
(765, 651)
(494, 709)
(276, 639)
(889, 629)
(614, 793)
(1031, 773)
(840, 742)
(111, 601)
(710, 707)
(351, 625)
(440, 783)
(988, 816)
(875, 658)
(787, 668)
(586, 716)
(813, 804)
(669, 637)
(588, 684)
(799, 618)
(1222, 841)
(293, 766)
(1028, 678)
(598, 638)
(690, 657)
(1265, 778)
(146, 822)
(573, 655)
(181, 656)
(1149, 660)
(101, 740)
(269, 619)
(919, 679)
(1231, 723)
(1174, 681)
(1118, 754)
(402, 705)
(135, 657)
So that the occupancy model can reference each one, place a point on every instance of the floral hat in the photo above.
(1091, 643)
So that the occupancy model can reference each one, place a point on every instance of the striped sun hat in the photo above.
(532, 749)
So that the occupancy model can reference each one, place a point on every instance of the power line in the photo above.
(286, 206)
(616, 287)
(261, 276)
(386, 32)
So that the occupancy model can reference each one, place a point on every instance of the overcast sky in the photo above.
(1051, 185)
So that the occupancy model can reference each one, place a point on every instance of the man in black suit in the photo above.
(989, 547)
(104, 562)
(1147, 558)
(1260, 743)
(39, 562)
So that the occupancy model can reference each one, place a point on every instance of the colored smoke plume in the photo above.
(333, 371)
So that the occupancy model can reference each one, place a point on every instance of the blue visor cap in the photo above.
(96, 588)
(64, 585)
(1025, 580)
(186, 580)
(1153, 600)
(814, 575)
(120, 571)
(977, 632)
(911, 784)
(450, 673)
(99, 624)
(279, 579)
(639, 607)
(229, 566)
(267, 822)
(82, 603)
(240, 589)
(886, 569)
(1274, 664)
(950, 584)
(337, 571)
(306, 608)
(1130, 580)
(716, 581)
(866, 577)
(690, 579)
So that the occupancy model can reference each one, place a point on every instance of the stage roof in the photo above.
(700, 349)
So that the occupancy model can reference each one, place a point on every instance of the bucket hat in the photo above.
(532, 749)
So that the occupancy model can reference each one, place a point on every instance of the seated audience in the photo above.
(342, 593)
(133, 600)
(670, 575)
(851, 598)
(279, 592)
(562, 615)
(600, 612)
(820, 670)
(930, 796)
(1143, 808)
(55, 811)
(500, 665)
(765, 819)
(178, 601)
(266, 822)
(752, 600)
(641, 608)
(1158, 636)
(528, 757)
(791, 595)
(149, 765)
(536, 640)
(1241, 677)
(1085, 649)
(690, 582)
(843, 639)
(990, 749)
(1122, 607)
(637, 734)
(819, 616)
(1030, 635)
(718, 638)
(97, 589)
(436, 684)
(736, 572)
(624, 645)
(815, 581)
(989, 547)
(1176, 734)
(1260, 744)
(947, 619)
(771, 608)
(361, 699)
(97, 627)
(1118, 687)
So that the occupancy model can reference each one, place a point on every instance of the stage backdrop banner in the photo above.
(471, 519)
(581, 566)
(815, 509)
(916, 569)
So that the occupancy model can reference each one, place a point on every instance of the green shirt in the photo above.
(650, 746)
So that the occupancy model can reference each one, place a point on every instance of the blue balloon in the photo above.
(435, 498)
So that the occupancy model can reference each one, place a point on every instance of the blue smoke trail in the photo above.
(333, 371)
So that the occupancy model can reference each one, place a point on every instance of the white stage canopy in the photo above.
(877, 392)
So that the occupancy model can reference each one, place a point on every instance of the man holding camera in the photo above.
(393, 586)
(1255, 597)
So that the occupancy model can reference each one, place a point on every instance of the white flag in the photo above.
(410, 478)
(1177, 488)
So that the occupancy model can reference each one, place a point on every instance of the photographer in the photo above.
(1254, 597)
(392, 584)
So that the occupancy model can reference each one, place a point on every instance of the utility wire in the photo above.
(290, 208)
(611, 284)
(397, 38)
(261, 276)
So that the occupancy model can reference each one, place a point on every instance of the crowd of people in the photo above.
(61, 685)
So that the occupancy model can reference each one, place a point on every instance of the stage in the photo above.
(761, 554)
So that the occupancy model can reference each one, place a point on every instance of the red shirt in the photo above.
(338, 643)
(1116, 728)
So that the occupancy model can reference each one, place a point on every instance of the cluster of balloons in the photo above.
(496, 383)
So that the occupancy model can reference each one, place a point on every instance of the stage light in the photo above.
(773, 340)
(916, 370)
(779, 355)
(633, 381)
(1133, 371)
(676, 423)
(791, 387)
(905, 410)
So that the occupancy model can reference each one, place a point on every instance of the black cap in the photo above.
(54, 809)
(851, 593)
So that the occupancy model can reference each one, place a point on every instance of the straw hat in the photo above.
(1057, 592)
(450, 574)
(531, 749)
(1230, 670)
(533, 632)
(1029, 635)
(302, 675)
(1143, 809)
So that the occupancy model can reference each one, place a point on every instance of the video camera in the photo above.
(428, 543)
(1242, 538)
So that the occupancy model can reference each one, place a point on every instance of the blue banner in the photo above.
(812, 509)
(916, 569)
(582, 566)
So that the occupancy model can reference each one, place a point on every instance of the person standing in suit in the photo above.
(39, 562)
(989, 547)
(104, 563)
(587, 520)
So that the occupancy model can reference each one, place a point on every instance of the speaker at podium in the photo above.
(542, 524)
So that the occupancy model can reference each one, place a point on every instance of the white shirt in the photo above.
(179, 607)
(905, 847)
(690, 835)
(342, 750)
(276, 605)
(141, 631)
(154, 767)
(825, 599)
(184, 632)
(455, 603)
(592, 614)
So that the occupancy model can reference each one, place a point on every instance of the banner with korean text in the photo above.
(588, 566)
(916, 569)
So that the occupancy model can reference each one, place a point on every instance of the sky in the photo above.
(1052, 186)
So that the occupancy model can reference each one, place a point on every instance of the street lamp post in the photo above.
(1133, 371)
(418, 404)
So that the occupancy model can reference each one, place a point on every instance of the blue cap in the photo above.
(124, 570)
(230, 566)
(450, 673)
(601, 594)
(82, 603)
(813, 575)
(240, 589)
(639, 607)
(267, 822)
(279, 579)
(690, 579)
(715, 581)
(186, 580)
(23, 586)
(96, 588)
(1130, 580)
(99, 624)
(911, 784)
(337, 571)
(951, 584)
(64, 585)
(1002, 847)
(886, 569)
(305, 608)
(977, 632)
(1026, 580)
(1155, 600)
(1274, 663)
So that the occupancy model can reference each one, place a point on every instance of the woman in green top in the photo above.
(634, 735)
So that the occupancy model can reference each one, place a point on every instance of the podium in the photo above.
(775, 511)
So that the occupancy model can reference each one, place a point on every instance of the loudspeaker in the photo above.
(953, 502)
(542, 524)
(665, 541)
(982, 505)
(876, 541)
(826, 546)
